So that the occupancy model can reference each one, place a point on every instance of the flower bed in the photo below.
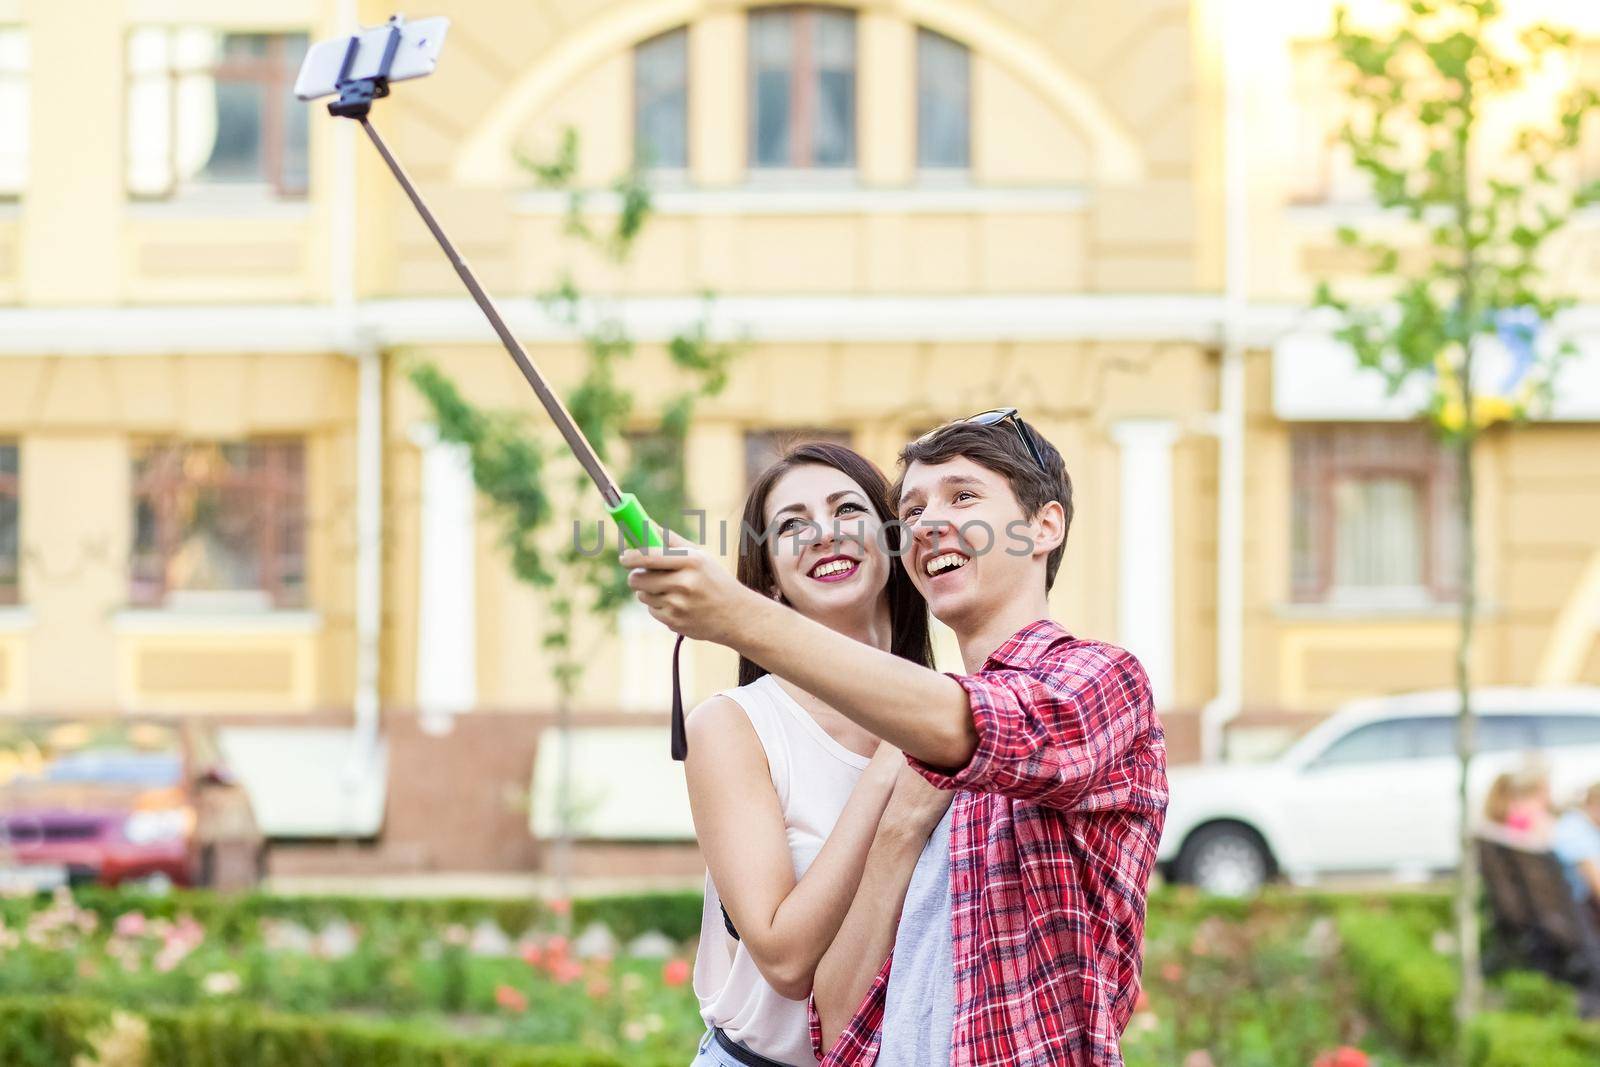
(538, 987)
(1291, 979)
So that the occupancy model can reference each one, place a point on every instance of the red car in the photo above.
(121, 800)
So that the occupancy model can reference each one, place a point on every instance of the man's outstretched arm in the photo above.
(922, 712)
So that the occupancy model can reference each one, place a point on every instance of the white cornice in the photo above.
(318, 328)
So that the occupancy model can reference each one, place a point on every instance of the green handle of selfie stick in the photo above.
(636, 525)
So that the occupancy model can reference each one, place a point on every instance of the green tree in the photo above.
(1462, 272)
(545, 504)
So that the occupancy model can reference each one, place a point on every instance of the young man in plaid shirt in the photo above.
(1012, 935)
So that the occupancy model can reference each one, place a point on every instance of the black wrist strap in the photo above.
(680, 737)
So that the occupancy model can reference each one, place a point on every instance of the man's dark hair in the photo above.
(998, 448)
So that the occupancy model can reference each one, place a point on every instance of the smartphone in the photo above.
(418, 54)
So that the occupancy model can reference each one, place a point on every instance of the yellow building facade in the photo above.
(907, 211)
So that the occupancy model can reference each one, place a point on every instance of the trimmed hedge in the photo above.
(40, 1032)
(233, 918)
(1411, 989)
(1500, 1039)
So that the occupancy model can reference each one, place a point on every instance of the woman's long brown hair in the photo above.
(908, 612)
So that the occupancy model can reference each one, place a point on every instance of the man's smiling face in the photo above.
(972, 549)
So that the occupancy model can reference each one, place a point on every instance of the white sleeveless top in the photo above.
(813, 775)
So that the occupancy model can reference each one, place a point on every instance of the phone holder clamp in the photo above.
(357, 94)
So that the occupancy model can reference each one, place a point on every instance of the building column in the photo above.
(447, 647)
(1145, 590)
(886, 69)
(717, 98)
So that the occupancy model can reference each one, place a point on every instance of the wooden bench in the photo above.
(1535, 920)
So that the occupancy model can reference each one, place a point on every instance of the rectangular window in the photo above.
(802, 88)
(215, 110)
(762, 448)
(219, 525)
(944, 93)
(14, 112)
(661, 101)
(1373, 516)
(10, 533)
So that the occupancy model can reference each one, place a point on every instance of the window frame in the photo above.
(1425, 462)
(802, 113)
(944, 169)
(277, 81)
(271, 490)
(639, 162)
(779, 439)
(11, 488)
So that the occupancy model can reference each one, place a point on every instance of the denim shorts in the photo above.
(711, 1054)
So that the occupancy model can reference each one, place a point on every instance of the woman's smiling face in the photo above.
(827, 552)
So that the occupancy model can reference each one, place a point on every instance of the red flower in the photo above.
(510, 998)
(565, 971)
(1344, 1056)
(675, 972)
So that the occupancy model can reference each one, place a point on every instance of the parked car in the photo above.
(1372, 789)
(120, 800)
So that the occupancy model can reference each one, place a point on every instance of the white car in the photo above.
(1372, 789)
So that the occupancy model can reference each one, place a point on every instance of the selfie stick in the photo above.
(355, 101)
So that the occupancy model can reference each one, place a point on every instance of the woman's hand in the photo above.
(688, 591)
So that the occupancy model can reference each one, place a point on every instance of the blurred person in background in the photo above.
(1576, 843)
(1519, 809)
(786, 792)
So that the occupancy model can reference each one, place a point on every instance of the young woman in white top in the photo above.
(786, 792)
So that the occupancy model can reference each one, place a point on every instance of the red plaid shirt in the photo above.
(1052, 840)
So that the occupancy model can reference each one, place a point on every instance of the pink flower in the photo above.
(510, 998)
(561, 906)
(456, 934)
(675, 972)
(130, 924)
(598, 989)
(1172, 972)
(1343, 1056)
(1143, 1002)
(557, 946)
(530, 954)
(566, 971)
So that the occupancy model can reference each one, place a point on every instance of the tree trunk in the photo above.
(561, 861)
(1470, 998)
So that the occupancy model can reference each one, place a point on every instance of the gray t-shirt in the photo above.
(920, 1000)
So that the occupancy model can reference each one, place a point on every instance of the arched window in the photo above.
(944, 102)
(802, 88)
(661, 101)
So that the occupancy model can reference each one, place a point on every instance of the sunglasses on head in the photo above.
(994, 417)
